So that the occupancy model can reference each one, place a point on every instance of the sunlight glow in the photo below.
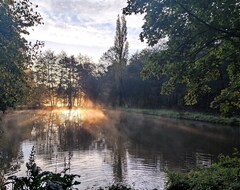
(88, 115)
(88, 112)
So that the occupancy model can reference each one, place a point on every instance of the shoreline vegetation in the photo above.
(187, 115)
(222, 175)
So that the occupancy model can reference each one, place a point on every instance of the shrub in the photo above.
(223, 175)
(38, 180)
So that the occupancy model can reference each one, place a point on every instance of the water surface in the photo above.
(105, 147)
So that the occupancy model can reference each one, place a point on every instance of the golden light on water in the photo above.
(88, 115)
(87, 112)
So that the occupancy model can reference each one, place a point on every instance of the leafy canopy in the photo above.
(16, 53)
(202, 47)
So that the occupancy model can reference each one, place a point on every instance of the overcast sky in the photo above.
(84, 26)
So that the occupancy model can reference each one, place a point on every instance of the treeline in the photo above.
(136, 92)
(197, 68)
(146, 93)
(62, 80)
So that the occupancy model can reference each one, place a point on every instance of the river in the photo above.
(106, 147)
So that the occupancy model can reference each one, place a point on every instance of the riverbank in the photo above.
(194, 116)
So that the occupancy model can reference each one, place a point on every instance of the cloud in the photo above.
(84, 24)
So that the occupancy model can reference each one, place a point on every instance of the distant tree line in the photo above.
(63, 80)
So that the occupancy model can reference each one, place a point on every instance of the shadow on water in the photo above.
(112, 146)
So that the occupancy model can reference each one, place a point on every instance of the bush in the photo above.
(223, 175)
(37, 180)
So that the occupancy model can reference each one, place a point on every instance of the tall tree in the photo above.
(62, 85)
(16, 53)
(202, 47)
(71, 79)
(46, 71)
(117, 57)
(87, 83)
(64, 79)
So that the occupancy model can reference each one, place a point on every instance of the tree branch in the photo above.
(219, 29)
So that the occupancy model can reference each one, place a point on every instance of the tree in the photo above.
(64, 80)
(46, 71)
(87, 81)
(202, 47)
(117, 56)
(16, 53)
(71, 77)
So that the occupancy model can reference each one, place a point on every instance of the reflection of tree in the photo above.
(14, 131)
(62, 131)
(118, 160)
(175, 144)
(10, 155)
(45, 133)
(74, 135)
(119, 154)
(124, 141)
(99, 143)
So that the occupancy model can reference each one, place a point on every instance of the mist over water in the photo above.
(111, 146)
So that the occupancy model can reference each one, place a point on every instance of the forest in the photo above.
(192, 63)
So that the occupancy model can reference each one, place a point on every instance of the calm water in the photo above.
(107, 147)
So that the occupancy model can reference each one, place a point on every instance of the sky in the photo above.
(84, 26)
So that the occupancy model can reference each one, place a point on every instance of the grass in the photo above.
(195, 116)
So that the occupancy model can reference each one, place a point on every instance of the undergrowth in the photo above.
(223, 175)
(38, 180)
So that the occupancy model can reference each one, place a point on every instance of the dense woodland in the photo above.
(192, 62)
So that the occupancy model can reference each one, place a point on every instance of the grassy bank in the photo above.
(195, 116)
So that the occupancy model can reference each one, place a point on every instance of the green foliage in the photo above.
(116, 59)
(63, 79)
(223, 175)
(202, 47)
(137, 92)
(16, 53)
(37, 180)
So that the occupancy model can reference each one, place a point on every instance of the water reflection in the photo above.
(11, 156)
(108, 147)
